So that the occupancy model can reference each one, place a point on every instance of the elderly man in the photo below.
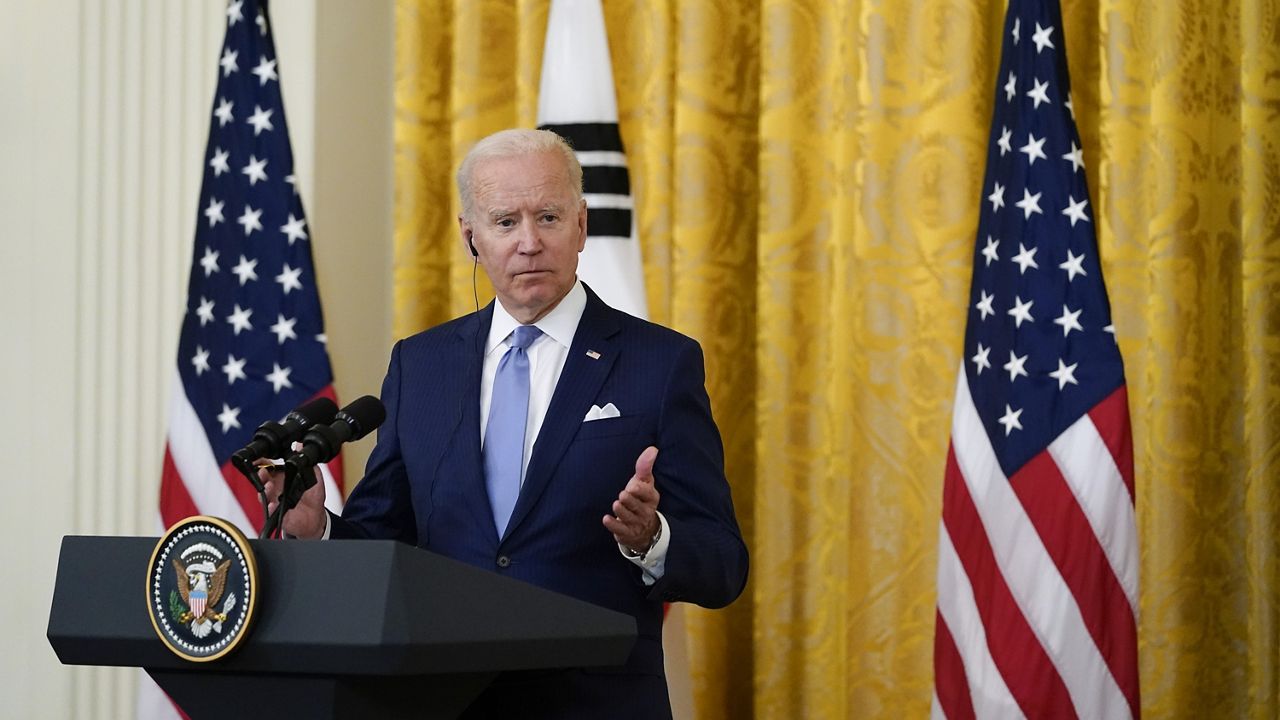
(552, 439)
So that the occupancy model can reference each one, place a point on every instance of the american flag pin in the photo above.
(593, 354)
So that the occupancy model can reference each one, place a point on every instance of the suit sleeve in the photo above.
(380, 506)
(706, 561)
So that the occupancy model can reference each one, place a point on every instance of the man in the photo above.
(551, 439)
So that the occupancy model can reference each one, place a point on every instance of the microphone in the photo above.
(274, 439)
(323, 441)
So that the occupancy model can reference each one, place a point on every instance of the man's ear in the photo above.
(582, 224)
(468, 237)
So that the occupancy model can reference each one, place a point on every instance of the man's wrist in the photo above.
(641, 554)
(653, 561)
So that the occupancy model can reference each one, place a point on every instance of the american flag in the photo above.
(252, 345)
(1038, 555)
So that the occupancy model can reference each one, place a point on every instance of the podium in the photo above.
(355, 628)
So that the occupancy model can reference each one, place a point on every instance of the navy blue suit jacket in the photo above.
(424, 483)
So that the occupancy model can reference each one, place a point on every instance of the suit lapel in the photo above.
(579, 384)
(469, 354)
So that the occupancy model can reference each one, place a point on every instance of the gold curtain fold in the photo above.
(808, 177)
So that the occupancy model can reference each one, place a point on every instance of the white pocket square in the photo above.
(602, 413)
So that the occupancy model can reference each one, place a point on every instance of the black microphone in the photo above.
(323, 441)
(274, 439)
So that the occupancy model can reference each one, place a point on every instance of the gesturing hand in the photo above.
(634, 521)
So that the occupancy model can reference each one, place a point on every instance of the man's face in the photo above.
(527, 229)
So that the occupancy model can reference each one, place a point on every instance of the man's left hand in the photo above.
(634, 521)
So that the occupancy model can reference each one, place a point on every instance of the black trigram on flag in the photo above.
(605, 180)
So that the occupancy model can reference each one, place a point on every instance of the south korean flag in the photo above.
(577, 102)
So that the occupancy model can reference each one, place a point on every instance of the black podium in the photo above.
(359, 628)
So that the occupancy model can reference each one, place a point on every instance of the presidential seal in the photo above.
(202, 588)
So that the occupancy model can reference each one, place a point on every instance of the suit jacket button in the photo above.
(503, 561)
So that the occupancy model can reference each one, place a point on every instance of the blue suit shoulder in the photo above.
(651, 331)
(442, 337)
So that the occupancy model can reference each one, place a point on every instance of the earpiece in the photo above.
(471, 244)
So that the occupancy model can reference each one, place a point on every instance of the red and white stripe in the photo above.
(1038, 574)
(193, 482)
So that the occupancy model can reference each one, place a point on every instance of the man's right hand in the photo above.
(307, 519)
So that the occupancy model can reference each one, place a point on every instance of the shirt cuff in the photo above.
(654, 562)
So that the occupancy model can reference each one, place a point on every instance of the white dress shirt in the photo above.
(547, 355)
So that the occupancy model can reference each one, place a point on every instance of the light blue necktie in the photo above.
(504, 434)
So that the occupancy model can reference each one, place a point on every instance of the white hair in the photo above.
(515, 143)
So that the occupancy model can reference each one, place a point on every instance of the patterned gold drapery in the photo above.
(807, 178)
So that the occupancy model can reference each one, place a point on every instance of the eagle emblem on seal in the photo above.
(201, 585)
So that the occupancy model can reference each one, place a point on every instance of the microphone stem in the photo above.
(290, 495)
(270, 520)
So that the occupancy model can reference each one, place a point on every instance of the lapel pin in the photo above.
(593, 354)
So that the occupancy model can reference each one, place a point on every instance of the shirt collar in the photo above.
(561, 324)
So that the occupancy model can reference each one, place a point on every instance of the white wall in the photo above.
(104, 111)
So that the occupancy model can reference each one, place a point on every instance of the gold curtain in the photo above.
(808, 177)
